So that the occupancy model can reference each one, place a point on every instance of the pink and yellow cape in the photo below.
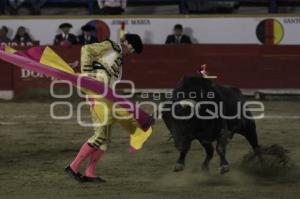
(45, 61)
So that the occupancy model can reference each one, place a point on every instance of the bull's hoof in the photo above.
(178, 167)
(224, 169)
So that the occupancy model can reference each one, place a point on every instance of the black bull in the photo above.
(204, 96)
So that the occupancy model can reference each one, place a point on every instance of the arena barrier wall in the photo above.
(209, 29)
(161, 66)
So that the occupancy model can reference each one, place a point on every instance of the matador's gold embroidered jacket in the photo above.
(99, 58)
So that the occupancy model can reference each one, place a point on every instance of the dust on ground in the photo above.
(34, 149)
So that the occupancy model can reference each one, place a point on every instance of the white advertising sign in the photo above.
(218, 30)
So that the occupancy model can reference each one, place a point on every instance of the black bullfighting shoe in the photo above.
(76, 176)
(93, 179)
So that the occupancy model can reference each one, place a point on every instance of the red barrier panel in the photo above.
(6, 76)
(25, 79)
(244, 66)
(161, 66)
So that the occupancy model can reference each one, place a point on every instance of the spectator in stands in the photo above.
(3, 35)
(22, 36)
(65, 38)
(15, 5)
(87, 36)
(36, 6)
(178, 37)
(112, 7)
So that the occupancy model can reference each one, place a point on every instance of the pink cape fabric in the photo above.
(30, 59)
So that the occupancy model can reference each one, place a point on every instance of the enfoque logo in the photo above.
(184, 109)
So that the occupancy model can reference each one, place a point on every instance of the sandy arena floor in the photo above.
(34, 149)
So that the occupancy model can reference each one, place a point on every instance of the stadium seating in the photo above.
(272, 5)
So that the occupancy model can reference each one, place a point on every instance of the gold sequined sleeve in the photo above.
(92, 52)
